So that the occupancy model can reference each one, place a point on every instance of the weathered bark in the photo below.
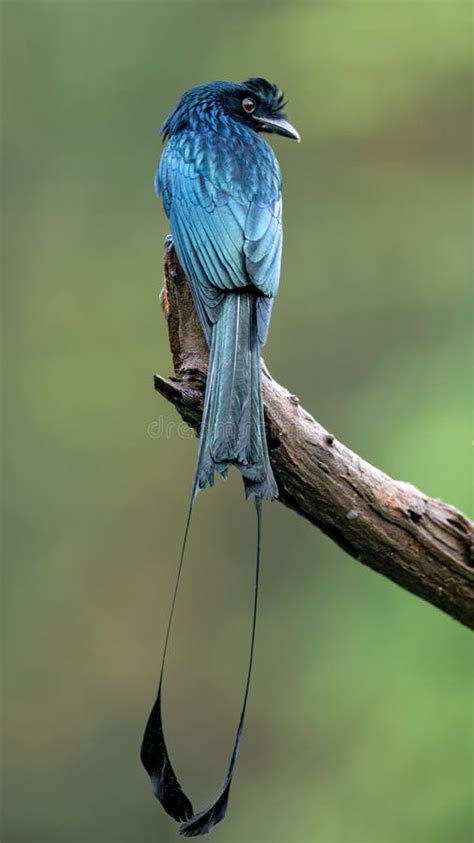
(423, 544)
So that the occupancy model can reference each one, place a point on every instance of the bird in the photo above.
(220, 184)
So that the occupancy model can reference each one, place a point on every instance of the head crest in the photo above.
(266, 91)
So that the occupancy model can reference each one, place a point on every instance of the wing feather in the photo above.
(224, 207)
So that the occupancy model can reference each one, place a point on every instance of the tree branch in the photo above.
(423, 544)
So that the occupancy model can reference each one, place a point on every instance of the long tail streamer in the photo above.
(154, 754)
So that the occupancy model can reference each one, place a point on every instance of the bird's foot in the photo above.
(168, 243)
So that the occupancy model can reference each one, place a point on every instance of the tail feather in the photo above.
(232, 433)
(233, 428)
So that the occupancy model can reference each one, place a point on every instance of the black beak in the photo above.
(278, 125)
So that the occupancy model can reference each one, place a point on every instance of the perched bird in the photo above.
(220, 184)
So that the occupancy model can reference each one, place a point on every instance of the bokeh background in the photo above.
(359, 721)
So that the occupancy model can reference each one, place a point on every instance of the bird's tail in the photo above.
(233, 427)
(232, 433)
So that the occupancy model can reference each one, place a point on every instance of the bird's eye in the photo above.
(249, 105)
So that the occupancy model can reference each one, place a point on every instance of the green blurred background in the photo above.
(359, 724)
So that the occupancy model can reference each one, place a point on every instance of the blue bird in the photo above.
(220, 184)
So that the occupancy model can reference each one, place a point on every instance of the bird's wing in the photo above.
(262, 249)
(224, 207)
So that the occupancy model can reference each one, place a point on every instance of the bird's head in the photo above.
(259, 104)
(256, 103)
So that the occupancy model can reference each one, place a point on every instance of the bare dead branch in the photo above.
(423, 544)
